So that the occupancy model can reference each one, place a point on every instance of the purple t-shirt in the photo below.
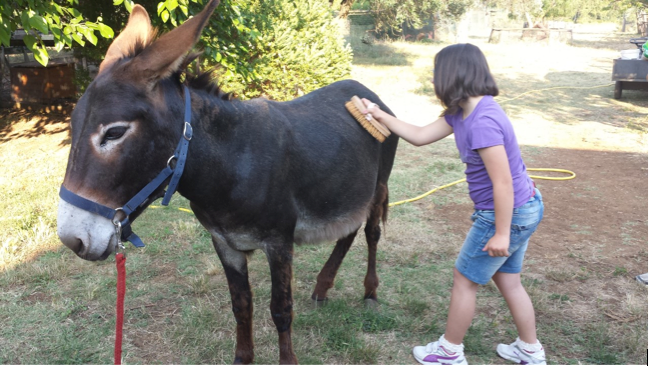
(488, 126)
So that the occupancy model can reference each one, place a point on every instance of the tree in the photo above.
(390, 15)
(114, 14)
(275, 48)
(534, 11)
(44, 17)
(343, 6)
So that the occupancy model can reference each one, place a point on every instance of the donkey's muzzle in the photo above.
(88, 235)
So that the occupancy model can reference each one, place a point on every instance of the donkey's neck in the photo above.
(217, 117)
(222, 148)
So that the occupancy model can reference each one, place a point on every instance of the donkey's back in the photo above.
(336, 168)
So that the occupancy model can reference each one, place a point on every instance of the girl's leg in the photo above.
(520, 305)
(462, 308)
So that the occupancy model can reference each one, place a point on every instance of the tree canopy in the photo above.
(391, 15)
(39, 18)
(276, 48)
(536, 10)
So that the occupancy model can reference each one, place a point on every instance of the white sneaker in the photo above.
(436, 354)
(519, 354)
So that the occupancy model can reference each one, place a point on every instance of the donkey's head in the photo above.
(125, 127)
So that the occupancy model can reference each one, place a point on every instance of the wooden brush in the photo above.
(374, 127)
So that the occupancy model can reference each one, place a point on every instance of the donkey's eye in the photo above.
(114, 133)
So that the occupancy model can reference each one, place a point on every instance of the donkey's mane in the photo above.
(203, 80)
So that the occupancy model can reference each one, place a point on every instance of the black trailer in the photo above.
(630, 74)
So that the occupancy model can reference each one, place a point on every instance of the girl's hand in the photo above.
(497, 246)
(373, 109)
(415, 135)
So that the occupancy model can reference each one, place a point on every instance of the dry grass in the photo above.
(56, 308)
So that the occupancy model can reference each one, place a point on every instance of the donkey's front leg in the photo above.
(280, 259)
(235, 266)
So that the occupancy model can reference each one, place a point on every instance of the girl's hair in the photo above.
(461, 71)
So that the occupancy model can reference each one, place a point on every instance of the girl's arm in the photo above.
(415, 135)
(497, 164)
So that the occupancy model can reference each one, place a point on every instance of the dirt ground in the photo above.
(595, 226)
(599, 221)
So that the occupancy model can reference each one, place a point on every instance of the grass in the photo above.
(58, 309)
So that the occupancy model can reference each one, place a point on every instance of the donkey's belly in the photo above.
(313, 230)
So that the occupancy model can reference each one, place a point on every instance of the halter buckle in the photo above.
(188, 131)
(116, 219)
(120, 248)
(170, 160)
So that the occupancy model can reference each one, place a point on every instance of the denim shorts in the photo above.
(477, 265)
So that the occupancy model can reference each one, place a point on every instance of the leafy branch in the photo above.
(40, 18)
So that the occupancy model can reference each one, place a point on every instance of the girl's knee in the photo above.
(508, 282)
(460, 281)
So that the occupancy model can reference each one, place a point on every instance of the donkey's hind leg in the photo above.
(329, 270)
(378, 212)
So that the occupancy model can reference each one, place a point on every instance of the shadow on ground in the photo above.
(44, 120)
(571, 96)
(613, 41)
(593, 236)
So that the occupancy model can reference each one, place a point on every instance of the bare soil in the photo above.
(593, 239)
(597, 220)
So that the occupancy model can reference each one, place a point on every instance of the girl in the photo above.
(508, 207)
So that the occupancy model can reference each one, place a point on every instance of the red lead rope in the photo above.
(120, 261)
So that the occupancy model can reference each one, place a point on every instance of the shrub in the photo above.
(279, 49)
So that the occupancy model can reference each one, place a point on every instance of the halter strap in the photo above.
(181, 150)
(142, 197)
(86, 204)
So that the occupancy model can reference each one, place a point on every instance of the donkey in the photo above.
(259, 174)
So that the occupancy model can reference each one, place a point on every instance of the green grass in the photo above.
(58, 309)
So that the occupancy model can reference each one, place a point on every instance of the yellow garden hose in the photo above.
(179, 208)
(571, 176)
(427, 193)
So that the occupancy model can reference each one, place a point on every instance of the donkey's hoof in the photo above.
(240, 361)
(372, 304)
(319, 302)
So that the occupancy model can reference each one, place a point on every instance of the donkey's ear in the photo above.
(167, 53)
(138, 30)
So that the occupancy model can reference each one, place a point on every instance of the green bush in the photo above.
(304, 49)
(278, 49)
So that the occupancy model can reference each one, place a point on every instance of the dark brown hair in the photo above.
(461, 71)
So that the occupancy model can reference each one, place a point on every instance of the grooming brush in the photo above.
(374, 127)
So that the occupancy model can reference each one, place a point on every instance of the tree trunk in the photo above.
(530, 24)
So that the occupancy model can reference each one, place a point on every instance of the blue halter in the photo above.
(123, 228)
